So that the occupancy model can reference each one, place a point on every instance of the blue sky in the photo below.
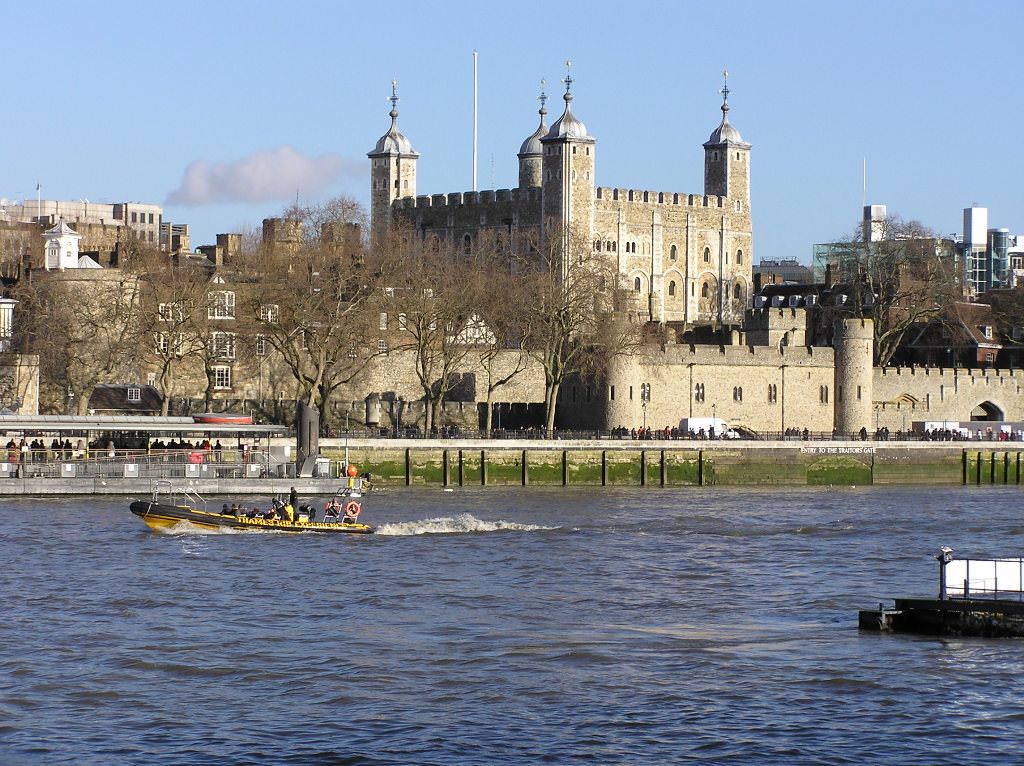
(116, 102)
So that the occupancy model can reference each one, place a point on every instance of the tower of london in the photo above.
(686, 256)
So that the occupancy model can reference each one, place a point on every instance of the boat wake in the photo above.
(188, 528)
(464, 523)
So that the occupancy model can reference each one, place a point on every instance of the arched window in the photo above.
(636, 284)
(739, 256)
(736, 292)
(672, 253)
(467, 244)
(707, 255)
(672, 289)
(704, 290)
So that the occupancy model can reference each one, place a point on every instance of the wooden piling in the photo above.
(526, 470)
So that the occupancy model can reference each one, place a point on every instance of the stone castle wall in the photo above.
(690, 253)
(905, 395)
(450, 217)
(730, 382)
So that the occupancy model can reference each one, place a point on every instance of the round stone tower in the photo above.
(854, 374)
(531, 154)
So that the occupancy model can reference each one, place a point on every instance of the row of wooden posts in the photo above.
(524, 467)
(994, 470)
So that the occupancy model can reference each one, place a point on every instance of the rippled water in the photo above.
(506, 626)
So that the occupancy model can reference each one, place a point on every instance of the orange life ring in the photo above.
(352, 509)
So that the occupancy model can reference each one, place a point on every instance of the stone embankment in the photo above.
(421, 462)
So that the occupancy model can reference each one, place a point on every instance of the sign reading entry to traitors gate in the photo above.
(985, 578)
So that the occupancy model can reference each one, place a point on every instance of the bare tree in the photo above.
(575, 328)
(434, 299)
(311, 303)
(903, 278)
(84, 325)
(501, 321)
(173, 323)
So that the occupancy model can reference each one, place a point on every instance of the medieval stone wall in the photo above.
(905, 395)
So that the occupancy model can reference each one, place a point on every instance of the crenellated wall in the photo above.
(469, 198)
(647, 197)
(757, 387)
(905, 395)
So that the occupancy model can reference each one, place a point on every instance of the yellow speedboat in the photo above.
(165, 515)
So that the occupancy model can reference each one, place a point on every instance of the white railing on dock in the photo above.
(985, 578)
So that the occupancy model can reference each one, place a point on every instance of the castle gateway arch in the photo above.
(987, 411)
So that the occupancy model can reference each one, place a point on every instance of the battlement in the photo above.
(644, 196)
(949, 374)
(755, 356)
(470, 198)
(776, 317)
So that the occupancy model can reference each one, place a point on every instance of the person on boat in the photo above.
(224, 511)
(254, 513)
(293, 498)
(234, 509)
(287, 512)
(332, 510)
(270, 515)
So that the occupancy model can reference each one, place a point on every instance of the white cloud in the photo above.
(264, 176)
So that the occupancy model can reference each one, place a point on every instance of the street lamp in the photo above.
(645, 397)
(398, 416)
(71, 398)
(714, 419)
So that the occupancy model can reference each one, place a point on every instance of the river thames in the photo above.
(489, 626)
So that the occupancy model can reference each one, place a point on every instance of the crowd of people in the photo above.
(670, 433)
(36, 451)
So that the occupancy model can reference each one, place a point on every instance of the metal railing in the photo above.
(997, 579)
(651, 434)
(156, 464)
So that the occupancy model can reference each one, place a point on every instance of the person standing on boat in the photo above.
(293, 498)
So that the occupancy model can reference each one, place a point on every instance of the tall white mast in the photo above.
(474, 119)
(864, 184)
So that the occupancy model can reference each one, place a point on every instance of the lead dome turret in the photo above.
(393, 142)
(531, 153)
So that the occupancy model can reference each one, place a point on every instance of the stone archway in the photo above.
(987, 411)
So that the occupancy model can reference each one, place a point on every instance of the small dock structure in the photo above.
(977, 597)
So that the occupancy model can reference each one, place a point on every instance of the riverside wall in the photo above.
(596, 463)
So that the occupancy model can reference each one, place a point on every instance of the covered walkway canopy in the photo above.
(76, 424)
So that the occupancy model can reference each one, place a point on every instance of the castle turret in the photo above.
(568, 174)
(531, 153)
(727, 158)
(60, 246)
(853, 341)
(393, 171)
